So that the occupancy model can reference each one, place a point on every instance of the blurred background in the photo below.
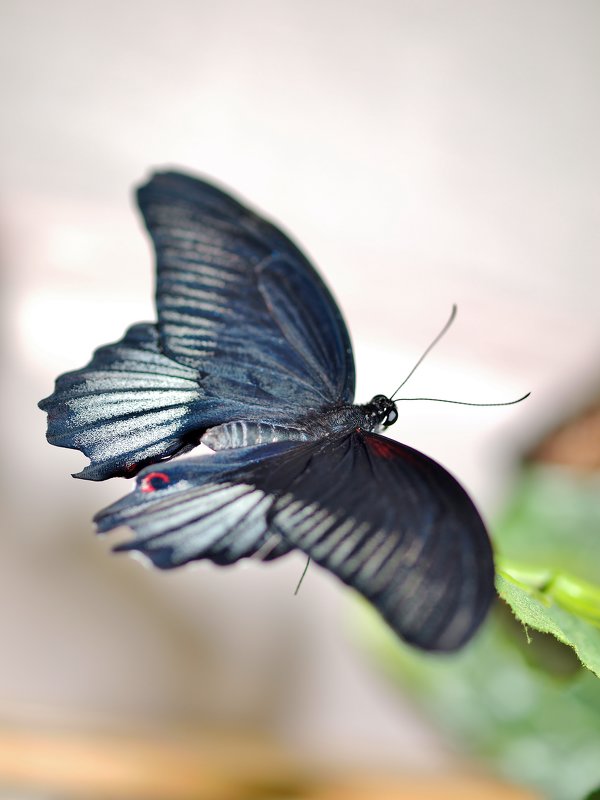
(422, 154)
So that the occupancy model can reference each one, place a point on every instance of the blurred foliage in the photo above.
(518, 695)
(526, 707)
(553, 522)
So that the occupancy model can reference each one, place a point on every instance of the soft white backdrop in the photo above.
(423, 153)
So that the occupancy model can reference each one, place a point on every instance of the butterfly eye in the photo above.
(154, 481)
(391, 417)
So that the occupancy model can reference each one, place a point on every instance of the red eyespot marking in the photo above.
(154, 481)
(381, 447)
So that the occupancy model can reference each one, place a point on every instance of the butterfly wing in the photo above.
(239, 302)
(131, 406)
(246, 330)
(383, 518)
(213, 507)
(396, 526)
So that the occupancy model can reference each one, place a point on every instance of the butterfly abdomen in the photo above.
(242, 433)
(314, 425)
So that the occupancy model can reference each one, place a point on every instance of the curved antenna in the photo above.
(463, 402)
(431, 346)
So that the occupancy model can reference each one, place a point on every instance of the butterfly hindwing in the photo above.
(382, 517)
(211, 507)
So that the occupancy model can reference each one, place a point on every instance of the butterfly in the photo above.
(251, 356)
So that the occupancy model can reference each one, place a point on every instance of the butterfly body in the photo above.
(312, 426)
(250, 356)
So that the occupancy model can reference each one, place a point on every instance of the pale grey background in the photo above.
(423, 153)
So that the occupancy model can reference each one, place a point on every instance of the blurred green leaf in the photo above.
(498, 698)
(553, 522)
(543, 613)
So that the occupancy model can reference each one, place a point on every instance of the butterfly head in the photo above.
(380, 412)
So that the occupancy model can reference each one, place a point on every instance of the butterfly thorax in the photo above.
(378, 413)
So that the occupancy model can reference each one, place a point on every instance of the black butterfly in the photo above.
(251, 356)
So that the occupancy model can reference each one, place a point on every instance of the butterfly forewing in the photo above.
(233, 290)
(246, 331)
(131, 405)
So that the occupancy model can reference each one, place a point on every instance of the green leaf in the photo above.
(535, 609)
(548, 557)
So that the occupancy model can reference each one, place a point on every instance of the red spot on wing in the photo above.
(384, 448)
(154, 481)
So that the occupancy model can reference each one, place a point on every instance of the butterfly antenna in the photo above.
(304, 571)
(428, 350)
(464, 402)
